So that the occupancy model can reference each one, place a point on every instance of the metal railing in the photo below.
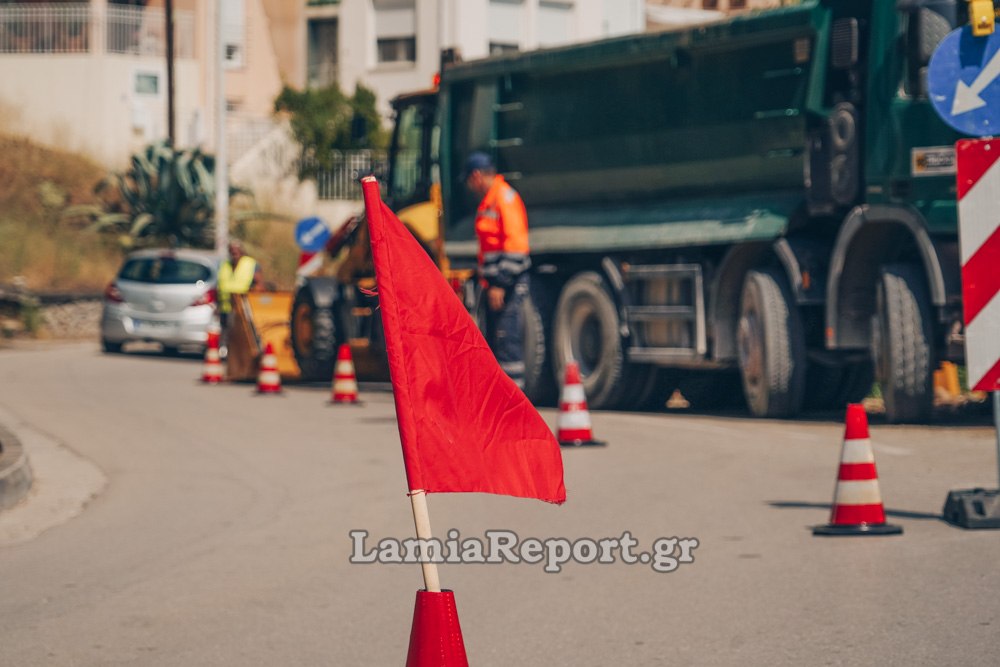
(45, 28)
(142, 31)
(341, 181)
(65, 28)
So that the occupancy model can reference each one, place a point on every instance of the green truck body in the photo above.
(771, 193)
(759, 208)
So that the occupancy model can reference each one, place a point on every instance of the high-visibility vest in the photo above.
(238, 281)
(502, 228)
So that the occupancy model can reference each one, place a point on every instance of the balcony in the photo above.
(77, 28)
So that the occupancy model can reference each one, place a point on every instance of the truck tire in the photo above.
(771, 346)
(901, 343)
(587, 330)
(539, 381)
(314, 335)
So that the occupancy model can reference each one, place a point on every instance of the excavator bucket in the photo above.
(260, 318)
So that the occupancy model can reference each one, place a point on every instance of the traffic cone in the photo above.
(436, 637)
(345, 384)
(211, 369)
(268, 379)
(574, 419)
(857, 502)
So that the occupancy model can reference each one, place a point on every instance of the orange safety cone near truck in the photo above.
(211, 369)
(268, 379)
(345, 383)
(857, 502)
(574, 428)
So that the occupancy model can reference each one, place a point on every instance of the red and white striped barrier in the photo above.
(345, 383)
(979, 241)
(857, 501)
(574, 427)
(268, 379)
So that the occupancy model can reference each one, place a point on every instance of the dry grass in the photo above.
(37, 183)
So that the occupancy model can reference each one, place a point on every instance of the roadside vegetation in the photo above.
(54, 206)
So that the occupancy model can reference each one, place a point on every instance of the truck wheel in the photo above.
(587, 330)
(771, 346)
(901, 343)
(539, 380)
(648, 389)
(313, 336)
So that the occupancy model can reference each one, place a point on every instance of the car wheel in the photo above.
(110, 347)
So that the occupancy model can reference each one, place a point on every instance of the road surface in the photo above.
(217, 532)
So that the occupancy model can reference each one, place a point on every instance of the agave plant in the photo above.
(166, 196)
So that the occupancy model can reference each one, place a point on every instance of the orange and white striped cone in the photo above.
(211, 368)
(574, 420)
(857, 502)
(268, 379)
(345, 383)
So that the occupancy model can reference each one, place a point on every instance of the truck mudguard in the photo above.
(870, 237)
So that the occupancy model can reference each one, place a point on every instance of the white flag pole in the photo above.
(422, 521)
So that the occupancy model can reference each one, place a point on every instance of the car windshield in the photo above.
(164, 271)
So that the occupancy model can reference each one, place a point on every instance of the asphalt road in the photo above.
(217, 533)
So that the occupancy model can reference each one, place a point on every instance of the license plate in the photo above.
(150, 324)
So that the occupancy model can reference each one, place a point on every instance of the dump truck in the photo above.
(758, 209)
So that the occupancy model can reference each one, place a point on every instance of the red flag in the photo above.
(464, 425)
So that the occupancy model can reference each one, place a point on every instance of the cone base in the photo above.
(436, 637)
(268, 390)
(858, 529)
(582, 443)
(211, 380)
(332, 402)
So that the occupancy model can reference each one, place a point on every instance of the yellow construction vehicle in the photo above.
(305, 327)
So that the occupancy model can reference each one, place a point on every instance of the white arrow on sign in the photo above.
(967, 97)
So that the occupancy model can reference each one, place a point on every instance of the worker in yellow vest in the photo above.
(237, 275)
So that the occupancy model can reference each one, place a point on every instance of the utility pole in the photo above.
(169, 17)
(221, 169)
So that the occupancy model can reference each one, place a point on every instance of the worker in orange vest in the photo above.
(502, 228)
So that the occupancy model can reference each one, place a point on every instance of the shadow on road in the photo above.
(900, 514)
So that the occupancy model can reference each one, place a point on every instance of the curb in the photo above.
(15, 472)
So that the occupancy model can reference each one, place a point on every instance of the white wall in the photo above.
(88, 104)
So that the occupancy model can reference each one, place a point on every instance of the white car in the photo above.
(163, 296)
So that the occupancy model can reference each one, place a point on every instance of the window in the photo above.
(395, 31)
(322, 52)
(555, 23)
(164, 271)
(234, 33)
(499, 48)
(147, 83)
(505, 22)
(397, 50)
(710, 4)
(737, 4)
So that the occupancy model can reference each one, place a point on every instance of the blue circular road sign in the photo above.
(311, 234)
(963, 82)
